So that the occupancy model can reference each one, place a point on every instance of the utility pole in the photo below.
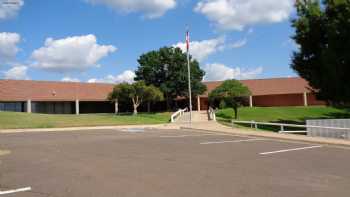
(189, 71)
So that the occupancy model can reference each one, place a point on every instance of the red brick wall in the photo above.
(204, 103)
(278, 100)
(285, 100)
(311, 100)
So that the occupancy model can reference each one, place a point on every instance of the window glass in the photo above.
(15, 107)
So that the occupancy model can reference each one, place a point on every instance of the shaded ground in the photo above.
(14, 120)
(167, 163)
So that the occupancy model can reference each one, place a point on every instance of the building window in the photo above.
(52, 107)
(14, 106)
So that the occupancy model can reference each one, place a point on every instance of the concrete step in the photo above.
(197, 116)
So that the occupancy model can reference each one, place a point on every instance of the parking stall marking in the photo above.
(231, 141)
(16, 190)
(289, 150)
(193, 135)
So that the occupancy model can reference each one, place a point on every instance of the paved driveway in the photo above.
(174, 163)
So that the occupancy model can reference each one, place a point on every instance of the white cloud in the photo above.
(93, 80)
(219, 72)
(151, 8)
(251, 73)
(239, 44)
(8, 45)
(17, 72)
(69, 79)
(200, 50)
(290, 43)
(237, 14)
(10, 8)
(243, 41)
(70, 54)
(127, 76)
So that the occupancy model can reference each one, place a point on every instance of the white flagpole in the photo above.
(189, 73)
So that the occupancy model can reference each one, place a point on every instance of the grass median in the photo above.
(14, 120)
(289, 115)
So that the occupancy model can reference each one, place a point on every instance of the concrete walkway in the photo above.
(197, 116)
(200, 123)
(156, 126)
(212, 126)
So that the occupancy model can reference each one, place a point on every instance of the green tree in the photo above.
(115, 96)
(166, 69)
(323, 34)
(153, 94)
(137, 92)
(232, 92)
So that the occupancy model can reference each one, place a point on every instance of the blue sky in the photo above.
(100, 40)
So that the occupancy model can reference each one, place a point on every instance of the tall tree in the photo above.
(153, 94)
(232, 92)
(115, 96)
(137, 92)
(323, 34)
(166, 69)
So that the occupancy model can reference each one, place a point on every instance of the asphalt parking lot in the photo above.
(174, 163)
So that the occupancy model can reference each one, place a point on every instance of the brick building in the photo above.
(271, 92)
(54, 97)
(72, 97)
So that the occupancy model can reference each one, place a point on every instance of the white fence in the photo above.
(178, 114)
(253, 124)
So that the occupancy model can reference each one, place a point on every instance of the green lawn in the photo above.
(13, 120)
(294, 115)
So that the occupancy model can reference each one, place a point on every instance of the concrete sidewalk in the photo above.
(205, 126)
(212, 126)
(155, 126)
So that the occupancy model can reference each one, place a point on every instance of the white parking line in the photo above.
(288, 150)
(16, 190)
(231, 141)
(134, 130)
(181, 136)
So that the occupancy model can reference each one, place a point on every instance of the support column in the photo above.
(77, 107)
(198, 103)
(250, 101)
(29, 106)
(305, 99)
(116, 109)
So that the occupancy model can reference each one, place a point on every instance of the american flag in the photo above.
(187, 40)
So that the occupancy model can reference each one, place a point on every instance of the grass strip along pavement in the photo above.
(289, 115)
(15, 120)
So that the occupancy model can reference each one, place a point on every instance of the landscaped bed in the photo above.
(292, 115)
(14, 120)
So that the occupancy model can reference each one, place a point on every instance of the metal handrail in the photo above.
(282, 125)
(211, 114)
(178, 114)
